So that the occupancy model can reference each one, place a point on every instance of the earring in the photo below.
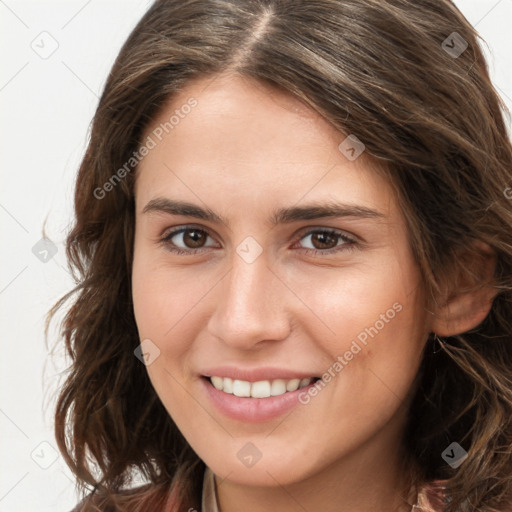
(441, 344)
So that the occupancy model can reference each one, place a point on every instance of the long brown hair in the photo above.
(430, 117)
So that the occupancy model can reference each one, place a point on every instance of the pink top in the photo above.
(209, 499)
(429, 498)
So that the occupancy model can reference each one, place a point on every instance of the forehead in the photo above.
(246, 139)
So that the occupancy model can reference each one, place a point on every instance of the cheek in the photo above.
(344, 302)
(161, 302)
(374, 318)
(375, 353)
(161, 296)
(168, 307)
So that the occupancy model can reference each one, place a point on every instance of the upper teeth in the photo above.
(260, 389)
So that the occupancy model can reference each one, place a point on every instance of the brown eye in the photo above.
(326, 241)
(185, 240)
(194, 238)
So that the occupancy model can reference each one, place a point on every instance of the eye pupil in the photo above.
(324, 239)
(197, 234)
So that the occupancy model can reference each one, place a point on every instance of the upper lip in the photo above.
(256, 374)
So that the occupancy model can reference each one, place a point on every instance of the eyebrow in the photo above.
(279, 216)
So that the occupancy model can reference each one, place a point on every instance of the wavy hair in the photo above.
(430, 119)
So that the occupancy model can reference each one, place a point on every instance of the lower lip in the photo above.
(254, 410)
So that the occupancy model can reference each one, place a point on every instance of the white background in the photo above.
(47, 105)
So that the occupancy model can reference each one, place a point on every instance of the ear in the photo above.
(468, 295)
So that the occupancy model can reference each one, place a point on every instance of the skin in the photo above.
(244, 151)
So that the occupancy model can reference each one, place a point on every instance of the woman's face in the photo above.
(270, 288)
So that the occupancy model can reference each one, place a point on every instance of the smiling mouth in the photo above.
(259, 389)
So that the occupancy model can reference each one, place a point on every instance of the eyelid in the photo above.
(329, 229)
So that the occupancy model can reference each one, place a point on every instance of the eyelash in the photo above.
(349, 245)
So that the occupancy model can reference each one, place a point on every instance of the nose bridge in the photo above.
(246, 310)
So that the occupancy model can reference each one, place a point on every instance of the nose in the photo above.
(251, 307)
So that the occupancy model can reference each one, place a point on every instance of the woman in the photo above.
(293, 251)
